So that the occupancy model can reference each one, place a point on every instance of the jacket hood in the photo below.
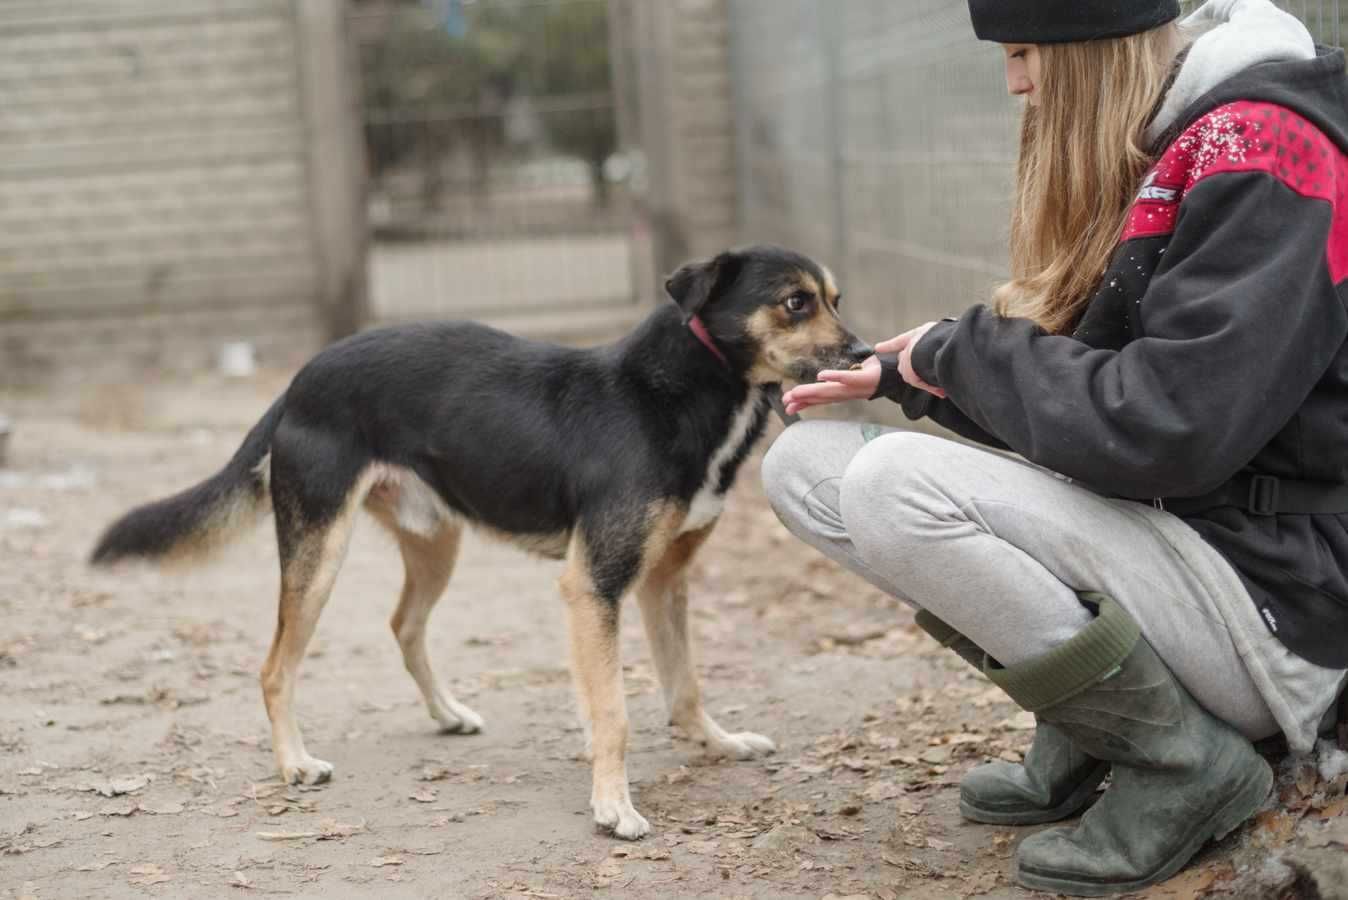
(1233, 35)
(1311, 82)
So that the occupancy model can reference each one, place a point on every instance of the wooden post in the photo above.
(330, 82)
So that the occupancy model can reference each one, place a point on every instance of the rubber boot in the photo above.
(1180, 775)
(1056, 780)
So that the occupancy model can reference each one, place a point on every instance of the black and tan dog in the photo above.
(616, 459)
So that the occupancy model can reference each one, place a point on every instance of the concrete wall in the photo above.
(173, 175)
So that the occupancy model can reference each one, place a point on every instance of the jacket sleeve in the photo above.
(1239, 322)
(917, 404)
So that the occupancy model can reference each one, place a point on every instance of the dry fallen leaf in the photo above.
(1335, 833)
(1335, 808)
(883, 790)
(1188, 885)
(97, 866)
(608, 869)
(147, 874)
(287, 835)
(981, 884)
(333, 830)
(1306, 779)
(1274, 827)
(935, 755)
(126, 785)
(117, 786)
(126, 808)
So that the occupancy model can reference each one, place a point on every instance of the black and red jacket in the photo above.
(1214, 345)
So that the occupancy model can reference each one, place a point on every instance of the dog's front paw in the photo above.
(455, 718)
(618, 816)
(745, 745)
(306, 770)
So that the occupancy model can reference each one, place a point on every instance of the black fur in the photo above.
(154, 530)
(524, 437)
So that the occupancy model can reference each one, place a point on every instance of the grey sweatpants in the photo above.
(999, 548)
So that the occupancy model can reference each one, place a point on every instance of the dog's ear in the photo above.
(696, 283)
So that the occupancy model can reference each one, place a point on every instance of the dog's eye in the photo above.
(798, 302)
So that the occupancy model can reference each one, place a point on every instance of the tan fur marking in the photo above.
(663, 595)
(782, 342)
(664, 521)
(240, 512)
(593, 627)
(830, 287)
(804, 282)
(429, 562)
(306, 584)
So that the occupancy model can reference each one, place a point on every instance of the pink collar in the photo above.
(699, 331)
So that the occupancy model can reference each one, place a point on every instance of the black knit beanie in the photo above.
(1061, 21)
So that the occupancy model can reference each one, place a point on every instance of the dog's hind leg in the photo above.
(315, 509)
(306, 582)
(429, 562)
(663, 594)
(592, 588)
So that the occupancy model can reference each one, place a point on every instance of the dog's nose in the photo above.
(859, 350)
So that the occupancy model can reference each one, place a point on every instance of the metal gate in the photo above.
(495, 190)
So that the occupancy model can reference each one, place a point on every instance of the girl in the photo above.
(1162, 574)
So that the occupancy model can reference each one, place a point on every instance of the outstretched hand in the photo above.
(840, 386)
(903, 345)
(835, 386)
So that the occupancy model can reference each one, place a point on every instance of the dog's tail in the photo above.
(193, 523)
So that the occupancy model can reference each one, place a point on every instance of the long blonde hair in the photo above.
(1082, 158)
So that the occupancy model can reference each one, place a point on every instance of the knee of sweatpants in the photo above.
(791, 468)
(891, 496)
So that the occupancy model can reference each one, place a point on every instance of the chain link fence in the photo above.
(876, 134)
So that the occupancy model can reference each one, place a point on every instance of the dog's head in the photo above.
(773, 312)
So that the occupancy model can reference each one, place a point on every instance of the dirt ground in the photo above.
(135, 759)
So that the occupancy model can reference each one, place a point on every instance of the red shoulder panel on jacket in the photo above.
(1247, 137)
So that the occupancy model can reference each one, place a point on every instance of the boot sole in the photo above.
(1079, 799)
(1244, 804)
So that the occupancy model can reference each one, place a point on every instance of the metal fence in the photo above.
(490, 129)
(876, 134)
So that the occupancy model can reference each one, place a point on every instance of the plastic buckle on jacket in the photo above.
(1263, 495)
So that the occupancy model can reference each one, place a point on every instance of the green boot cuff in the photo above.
(945, 635)
(1070, 668)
